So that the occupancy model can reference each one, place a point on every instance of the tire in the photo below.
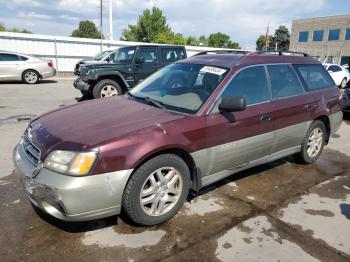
(151, 213)
(107, 88)
(307, 155)
(30, 77)
(343, 83)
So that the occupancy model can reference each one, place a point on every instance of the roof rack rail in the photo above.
(280, 53)
(222, 52)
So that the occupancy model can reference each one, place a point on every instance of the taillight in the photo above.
(50, 64)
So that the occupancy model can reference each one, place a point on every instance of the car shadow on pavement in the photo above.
(46, 81)
(77, 227)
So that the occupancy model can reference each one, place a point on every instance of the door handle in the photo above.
(310, 107)
(265, 118)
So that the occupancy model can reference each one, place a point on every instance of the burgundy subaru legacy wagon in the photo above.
(188, 125)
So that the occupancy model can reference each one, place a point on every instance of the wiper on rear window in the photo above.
(148, 100)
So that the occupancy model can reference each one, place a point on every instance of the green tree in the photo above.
(18, 30)
(169, 38)
(150, 25)
(203, 40)
(2, 28)
(87, 29)
(221, 40)
(192, 40)
(282, 38)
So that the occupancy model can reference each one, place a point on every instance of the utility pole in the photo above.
(267, 38)
(101, 23)
(110, 20)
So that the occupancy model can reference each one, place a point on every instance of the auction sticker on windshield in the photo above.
(213, 70)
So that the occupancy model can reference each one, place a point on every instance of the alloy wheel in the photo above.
(315, 142)
(161, 191)
(31, 77)
(108, 91)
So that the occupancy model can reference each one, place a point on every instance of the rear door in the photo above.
(293, 108)
(235, 139)
(10, 66)
(150, 63)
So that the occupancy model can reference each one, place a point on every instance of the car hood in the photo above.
(90, 124)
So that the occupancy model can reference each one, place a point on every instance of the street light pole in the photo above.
(110, 20)
(101, 23)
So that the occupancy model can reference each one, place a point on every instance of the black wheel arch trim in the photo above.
(111, 73)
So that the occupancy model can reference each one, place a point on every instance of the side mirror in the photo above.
(233, 104)
(140, 60)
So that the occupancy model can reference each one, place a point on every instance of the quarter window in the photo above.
(149, 54)
(315, 76)
(284, 81)
(303, 36)
(318, 36)
(250, 83)
(333, 34)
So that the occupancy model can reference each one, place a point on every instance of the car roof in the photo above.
(235, 58)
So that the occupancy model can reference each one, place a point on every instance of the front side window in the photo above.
(180, 87)
(125, 55)
(333, 34)
(315, 76)
(303, 36)
(251, 83)
(347, 34)
(318, 36)
(8, 57)
(284, 81)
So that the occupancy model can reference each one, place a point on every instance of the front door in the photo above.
(146, 63)
(236, 139)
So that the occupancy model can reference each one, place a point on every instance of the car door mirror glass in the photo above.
(233, 104)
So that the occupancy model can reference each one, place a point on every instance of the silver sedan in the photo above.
(19, 67)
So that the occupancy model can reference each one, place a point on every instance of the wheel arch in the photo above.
(31, 69)
(196, 179)
(326, 122)
(117, 77)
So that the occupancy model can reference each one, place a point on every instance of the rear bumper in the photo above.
(71, 198)
(49, 74)
(81, 85)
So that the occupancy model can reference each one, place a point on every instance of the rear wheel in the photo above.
(30, 77)
(313, 143)
(157, 190)
(107, 88)
(343, 83)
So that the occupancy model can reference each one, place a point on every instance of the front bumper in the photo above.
(71, 198)
(81, 85)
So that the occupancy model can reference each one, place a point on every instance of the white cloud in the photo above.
(34, 15)
(26, 2)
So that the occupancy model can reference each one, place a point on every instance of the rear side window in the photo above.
(170, 55)
(22, 58)
(9, 57)
(315, 76)
(284, 81)
(250, 83)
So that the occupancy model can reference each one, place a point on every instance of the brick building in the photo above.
(326, 38)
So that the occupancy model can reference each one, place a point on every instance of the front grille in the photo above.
(31, 151)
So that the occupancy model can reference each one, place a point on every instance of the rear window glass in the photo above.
(315, 76)
(170, 55)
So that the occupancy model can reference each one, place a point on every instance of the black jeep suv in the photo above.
(131, 65)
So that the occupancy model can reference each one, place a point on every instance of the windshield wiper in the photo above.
(148, 100)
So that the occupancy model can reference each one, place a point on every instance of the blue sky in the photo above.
(242, 20)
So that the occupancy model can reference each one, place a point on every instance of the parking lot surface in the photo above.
(281, 211)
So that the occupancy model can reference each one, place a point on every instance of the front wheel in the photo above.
(313, 143)
(157, 190)
(107, 88)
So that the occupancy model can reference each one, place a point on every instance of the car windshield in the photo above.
(101, 55)
(180, 87)
(125, 54)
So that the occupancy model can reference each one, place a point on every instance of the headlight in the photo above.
(70, 163)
